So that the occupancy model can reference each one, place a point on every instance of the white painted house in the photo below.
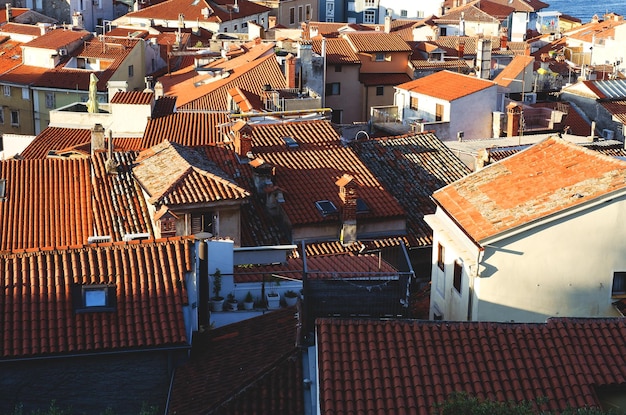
(539, 234)
(449, 103)
(411, 9)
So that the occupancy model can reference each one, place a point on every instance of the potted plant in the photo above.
(272, 297)
(248, 301)
(231, 302)
(291, 298)
(217, 301)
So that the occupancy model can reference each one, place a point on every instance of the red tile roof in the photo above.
(133, 98)
(251, 367)
(250, 77)
(190, 129)
(319, 161)
(55, 39)
(549, 177)
(447, 85)
(321, 266)
(523, 5)
(175, 175)
(338, 51)
(22, 29)
(219, 10)
(398, 367)
(371, 42)
(61, 202)
(617, 109)
(55, 138)
(10, 55)
(36, 302)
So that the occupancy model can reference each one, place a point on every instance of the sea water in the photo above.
(585, 9)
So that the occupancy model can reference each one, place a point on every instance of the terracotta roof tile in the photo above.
(412, 167)
(219, 10)
(365, 42)
(617, 109)
(549, 177)
(447, 85)
(338, 51)
(10, 55)
(55, 39)
(389, 366)
(22, 29)
(175, 175)
(27, 289)
(513, 70)
(133, 98)
(320, 160)
(244, 378)
(190, 129)
(54, 202)
(55, 138)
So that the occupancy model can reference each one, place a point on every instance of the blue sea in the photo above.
(585, 9)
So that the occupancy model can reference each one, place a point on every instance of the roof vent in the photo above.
(135, 236)
(98, 239)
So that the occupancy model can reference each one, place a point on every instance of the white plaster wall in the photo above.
(562, 269)
(415, 9)
(518, 26)
(473, 114)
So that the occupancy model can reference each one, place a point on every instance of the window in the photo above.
(619, 284)
(307, 12)
(403, 13)
(380, 90)
(93, 298)
(330, 11)
(1, 115)
(50, 100)
(131, 70)
(379, 57)
(300, 13)
(370, 3)
(203, 222)
(7, 90)
(326, 207)
(3, 189)
(333, 88)
(25, 94)
(441, 253)
(292, 15)
(235, 28)
(414, 102)
(369, 16)
(458, 270)
(351, 6)
(15, 118)
(438, 112)
(336, 116)
(420, 14)
(338, 68)
(443, 31)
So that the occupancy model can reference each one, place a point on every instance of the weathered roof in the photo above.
(446, 85)
(412, 167)
(55, 138)
(242, 376)
(617, 109)
(172, 174)
(367, 366)
(38, 316)
(373, 79)
(549, 177)
(319, 161)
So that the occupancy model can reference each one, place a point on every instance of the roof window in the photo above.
(290, 142)
(326, 207)
(93, 298)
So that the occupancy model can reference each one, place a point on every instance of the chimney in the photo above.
(77, 20)
(387, 24)
(9, 11)
(503, 41)
(514, 112)
(97, 138)
(348, 195)
(271, 22)
(290, 71)
(158, 90)
(245, 144)
(592, 133)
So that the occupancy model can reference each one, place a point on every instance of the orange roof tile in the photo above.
(190, 129)
(513, 70)
(22, 29)
(133, 97)
(373, 79)
(38, 317)
(365, 42)
(447, 85)
(338, 51)
(368, 366)
(175, 175)
(544, 179)
(219, 10)
(55, 138)
(55, 39)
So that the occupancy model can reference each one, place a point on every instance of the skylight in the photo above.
(326, 207)
(93, 298)
(290, 142)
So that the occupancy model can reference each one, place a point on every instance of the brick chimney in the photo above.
(97, 138)
(290, 71)
(348, 194)
(514, 113)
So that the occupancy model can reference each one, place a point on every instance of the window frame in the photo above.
(333, 88)
(50, 100)
(441, 256)
(369, 16)
(292, 15)
(620, 277)
(80, 294)
(439, 110)
(457, 276)
(6, 90)
(380, 90)
(414, 103)
(131, 71)
(15, 118)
